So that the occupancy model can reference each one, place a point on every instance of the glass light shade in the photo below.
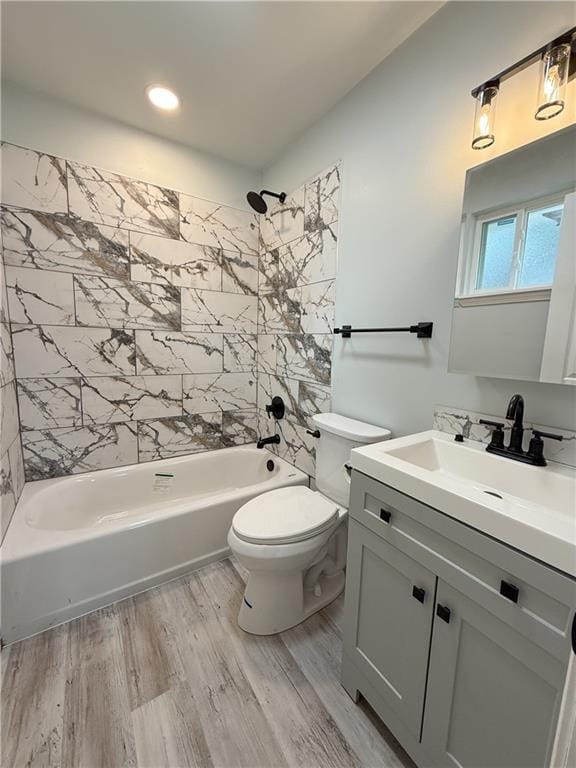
(553, 80)
(484, 117)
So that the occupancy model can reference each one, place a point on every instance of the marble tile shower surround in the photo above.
(456, 421)
(296, 298)
(147, 323)
(11, 461)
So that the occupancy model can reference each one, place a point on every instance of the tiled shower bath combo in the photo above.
(147, 323)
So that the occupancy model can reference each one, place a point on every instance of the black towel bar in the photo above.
(422, 330)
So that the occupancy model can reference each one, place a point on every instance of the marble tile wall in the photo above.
(11, 464)
(456, 421)
(133, 312)
(296, 298)
(142, 323)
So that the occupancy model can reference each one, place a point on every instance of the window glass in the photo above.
(540, 246)
(496, 253)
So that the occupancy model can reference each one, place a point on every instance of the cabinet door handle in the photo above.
(443, 612)
(509, 591)
(385, 515)
(419, 593)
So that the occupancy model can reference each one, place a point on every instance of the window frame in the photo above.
(469, 292)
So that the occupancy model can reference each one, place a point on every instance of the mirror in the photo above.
(514, 310)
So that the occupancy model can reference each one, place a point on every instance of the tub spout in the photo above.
(274, 439)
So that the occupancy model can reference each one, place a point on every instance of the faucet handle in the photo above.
(497, 439)
(549, 435)
(536, 447)
(496, 424)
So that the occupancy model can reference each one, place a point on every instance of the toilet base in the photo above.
(276, 601)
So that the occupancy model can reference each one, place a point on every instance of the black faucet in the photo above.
(273, 440)
(516, 411)
(535, 453)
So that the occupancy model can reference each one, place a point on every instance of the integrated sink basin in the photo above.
(530, 508)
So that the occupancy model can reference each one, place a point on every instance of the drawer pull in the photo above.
(509, 591)
(385, 515)
(443, 613)
(419, 593)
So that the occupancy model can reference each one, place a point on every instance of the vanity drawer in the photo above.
(536, 599)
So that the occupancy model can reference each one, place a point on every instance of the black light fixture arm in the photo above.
(567, 37)
(280, 196)
(422, 330)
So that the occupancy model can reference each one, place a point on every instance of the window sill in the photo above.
(504, 297)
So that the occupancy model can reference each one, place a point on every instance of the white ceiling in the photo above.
(251, 75)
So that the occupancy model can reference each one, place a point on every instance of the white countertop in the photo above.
(537, 511)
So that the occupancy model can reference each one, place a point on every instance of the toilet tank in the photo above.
(338, 435)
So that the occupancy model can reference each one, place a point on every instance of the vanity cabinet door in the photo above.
(493, 696)
(389, 603)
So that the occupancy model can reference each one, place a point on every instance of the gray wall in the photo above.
(403, 135)
(30, 119)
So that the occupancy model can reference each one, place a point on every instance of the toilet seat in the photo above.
(285, 516)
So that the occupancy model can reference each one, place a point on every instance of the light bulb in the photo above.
(484, 120)
(552, 83)
(162, 97)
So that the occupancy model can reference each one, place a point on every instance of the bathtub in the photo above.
(80, 542)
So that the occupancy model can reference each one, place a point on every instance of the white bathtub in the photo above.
(78, 543)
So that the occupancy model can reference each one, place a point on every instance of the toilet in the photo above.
(293, 540)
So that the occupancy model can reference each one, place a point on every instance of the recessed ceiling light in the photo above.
(162, 97)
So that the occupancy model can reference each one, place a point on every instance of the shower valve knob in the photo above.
(276, 408)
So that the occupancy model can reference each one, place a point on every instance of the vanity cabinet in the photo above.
(460, 643)
(392, 597)
(493, 694)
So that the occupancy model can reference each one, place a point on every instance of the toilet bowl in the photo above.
(293, 540)
(298, 530)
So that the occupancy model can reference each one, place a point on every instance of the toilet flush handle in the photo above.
(315, 433)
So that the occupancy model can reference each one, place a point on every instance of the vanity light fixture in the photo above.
(558, 65)
(553, 80)
(162, 97)
(485, 115)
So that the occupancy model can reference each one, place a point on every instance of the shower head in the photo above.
(257, 201)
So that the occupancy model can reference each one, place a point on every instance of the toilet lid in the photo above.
(284, 516)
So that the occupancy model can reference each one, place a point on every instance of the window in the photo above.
(496, 253)
(540, 246)
(516, 249)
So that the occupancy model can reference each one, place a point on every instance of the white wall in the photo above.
(404, 135)
(32, 120)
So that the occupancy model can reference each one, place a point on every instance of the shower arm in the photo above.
(281, 196)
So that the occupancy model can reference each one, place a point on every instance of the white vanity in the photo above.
(460, 626)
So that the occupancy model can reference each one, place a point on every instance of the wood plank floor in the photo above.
(168, 679)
